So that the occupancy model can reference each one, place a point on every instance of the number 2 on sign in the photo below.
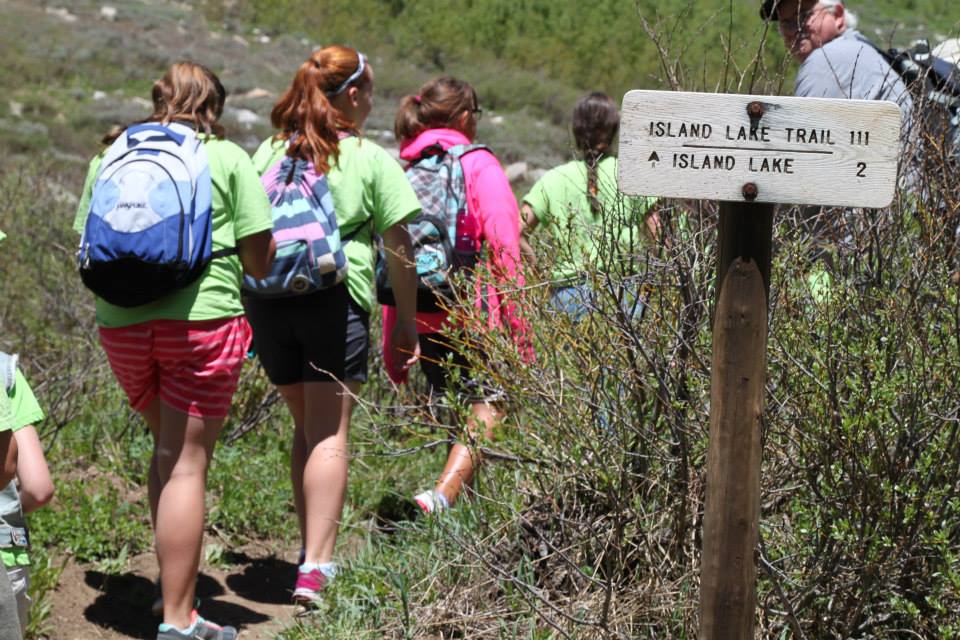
(861, 169)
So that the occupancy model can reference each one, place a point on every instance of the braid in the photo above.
(593, 189)
(595, 123)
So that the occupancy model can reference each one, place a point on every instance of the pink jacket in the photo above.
(492, 218)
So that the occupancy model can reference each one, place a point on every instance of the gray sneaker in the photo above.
(202, 630)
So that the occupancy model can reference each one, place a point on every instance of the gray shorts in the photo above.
(20, 581)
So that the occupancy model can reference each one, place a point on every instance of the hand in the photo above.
(404, 344)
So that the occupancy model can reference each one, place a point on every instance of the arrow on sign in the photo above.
(654, 158)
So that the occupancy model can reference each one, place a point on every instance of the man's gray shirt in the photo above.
(849, 67)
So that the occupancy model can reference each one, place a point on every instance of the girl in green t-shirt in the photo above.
(578, 202)
(179, 358)
(314, 346)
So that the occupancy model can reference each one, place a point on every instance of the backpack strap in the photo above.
(8, 371)
(347, 237)
(223, 253)
(460, 150)
(902, 62)
(435, 149)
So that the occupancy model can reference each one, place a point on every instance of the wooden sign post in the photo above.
(748, 152)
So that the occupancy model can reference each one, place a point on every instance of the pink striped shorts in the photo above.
(193, 365)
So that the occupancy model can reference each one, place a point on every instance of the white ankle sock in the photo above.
(328, 569)
(434, 500)
(187, 631)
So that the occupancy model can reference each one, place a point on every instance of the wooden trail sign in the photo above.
(795, 150)
(749, 152)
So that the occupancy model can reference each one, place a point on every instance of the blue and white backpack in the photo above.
(310, 253)
(441, 246)
(149, 231)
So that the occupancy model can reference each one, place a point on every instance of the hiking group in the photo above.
(195, 251)
(199, 255)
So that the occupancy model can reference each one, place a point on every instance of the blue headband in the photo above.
(353, 77)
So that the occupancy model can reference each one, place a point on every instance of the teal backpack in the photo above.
(441, 245)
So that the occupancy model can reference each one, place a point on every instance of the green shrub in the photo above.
(95, 518)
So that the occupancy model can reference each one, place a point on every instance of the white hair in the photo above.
(850, 18)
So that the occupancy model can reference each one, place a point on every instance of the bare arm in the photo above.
(8, 457)
(528, 222)
(403, 280)
(36, 485)
(256, 253)
(653, 225)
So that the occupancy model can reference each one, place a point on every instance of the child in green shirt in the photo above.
(32, 489)
(9, 620)
(580, 205)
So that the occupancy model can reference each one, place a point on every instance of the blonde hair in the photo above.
(187, 92)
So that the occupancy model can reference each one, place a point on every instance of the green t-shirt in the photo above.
(24, 410)
(559, 200)
(240, 209)
(6, 412)
(366, 184)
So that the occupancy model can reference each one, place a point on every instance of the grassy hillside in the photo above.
(586, 524)
(71, 70)
(603, 44)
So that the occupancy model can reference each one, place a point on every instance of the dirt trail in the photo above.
(252, 594)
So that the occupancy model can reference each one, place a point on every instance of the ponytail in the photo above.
(439, 104)
(304, 114)
(407, 125)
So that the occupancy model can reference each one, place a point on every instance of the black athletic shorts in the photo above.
(318, 337)
(444, 365)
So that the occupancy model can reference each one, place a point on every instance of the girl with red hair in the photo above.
(314, 346)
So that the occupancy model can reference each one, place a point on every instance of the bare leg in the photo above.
(152, 416)
(462, 461)
(321, 412)
(293, 395)
(184, 447)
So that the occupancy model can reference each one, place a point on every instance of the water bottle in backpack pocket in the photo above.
(442, 244)
(149, 228)
(310, 253)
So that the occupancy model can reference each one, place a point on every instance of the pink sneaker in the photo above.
(306, 592)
